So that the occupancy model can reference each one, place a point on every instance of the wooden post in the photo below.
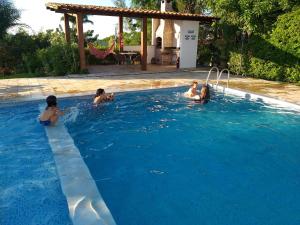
(121, 40)
(144, 44)
(67, 28)
(80, 35)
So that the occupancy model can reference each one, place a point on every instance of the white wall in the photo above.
(188, 43)
(137, 48)
(155, 25)
(177, 25)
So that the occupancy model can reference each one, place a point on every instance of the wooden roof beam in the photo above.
(125, 12)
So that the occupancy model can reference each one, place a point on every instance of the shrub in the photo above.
(266, 69)
(208, 55)
(292, 73)
(17, 51)
(59, 59)
(5, 71)
(204, 55)
(235, 63)
(32, 63)
(274, 56)
(285, 34)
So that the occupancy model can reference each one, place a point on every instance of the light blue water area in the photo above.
(30, 191)
(160, 159)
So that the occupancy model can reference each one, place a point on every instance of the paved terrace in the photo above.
(39, 88)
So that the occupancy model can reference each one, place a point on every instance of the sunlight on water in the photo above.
(155, 153)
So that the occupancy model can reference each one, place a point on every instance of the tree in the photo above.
(188, 6)
(191, 6)
(72, 20)
(251, 15)
(14, 46)
(89, 34)
(120, 3)
(145, 4)
(132, 25)
(128, 22)
(9, 16)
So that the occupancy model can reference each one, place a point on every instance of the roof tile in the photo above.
(130, 12)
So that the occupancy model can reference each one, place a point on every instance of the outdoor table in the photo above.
(129, 55)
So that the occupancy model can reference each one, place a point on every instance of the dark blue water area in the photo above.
(30, 191)
(160, 159)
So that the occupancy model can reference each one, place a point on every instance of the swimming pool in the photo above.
(30, 191)
(158, 158)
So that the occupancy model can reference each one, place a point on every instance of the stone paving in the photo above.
(39, 88)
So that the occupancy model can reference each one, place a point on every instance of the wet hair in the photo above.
(99, 92)
(51, 101)
(207, 94)
(194, 82)
(206, 97)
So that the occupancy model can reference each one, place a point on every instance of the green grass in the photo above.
(21, 75)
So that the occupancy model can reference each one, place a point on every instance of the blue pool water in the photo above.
(159, 159)
(30, 192)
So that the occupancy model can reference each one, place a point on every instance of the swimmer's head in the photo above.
(51, 101)
(205, 92)
(99, 92)
(194, 84)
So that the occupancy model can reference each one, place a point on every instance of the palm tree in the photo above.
(9, 16)
(73, 30)
(72, 19)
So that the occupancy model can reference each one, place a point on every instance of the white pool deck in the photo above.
(39, 88)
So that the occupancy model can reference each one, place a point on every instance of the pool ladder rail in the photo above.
(219, 75)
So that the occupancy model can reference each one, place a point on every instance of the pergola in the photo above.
(79, 10)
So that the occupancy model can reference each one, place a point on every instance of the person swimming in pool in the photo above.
(51, 113)
(204, 96)
(101, 97)
(192, 92)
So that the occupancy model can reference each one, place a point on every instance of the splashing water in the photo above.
(71, 115)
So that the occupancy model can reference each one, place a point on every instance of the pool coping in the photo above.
(236, 92)
(85, 203)
(258, 97)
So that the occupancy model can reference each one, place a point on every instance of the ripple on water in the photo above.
(180, 153)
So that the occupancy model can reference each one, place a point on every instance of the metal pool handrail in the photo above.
(228, 77)
(213, 68)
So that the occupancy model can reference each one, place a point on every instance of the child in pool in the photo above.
(102, 97)
(192, 92)
(51, 113)
(204, 96)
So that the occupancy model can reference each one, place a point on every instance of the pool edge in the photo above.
(258, 97)
(85, 203)
(236, 92)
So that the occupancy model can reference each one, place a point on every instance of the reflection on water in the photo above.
(156, 153)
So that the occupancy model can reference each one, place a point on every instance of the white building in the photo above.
(173, 38)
